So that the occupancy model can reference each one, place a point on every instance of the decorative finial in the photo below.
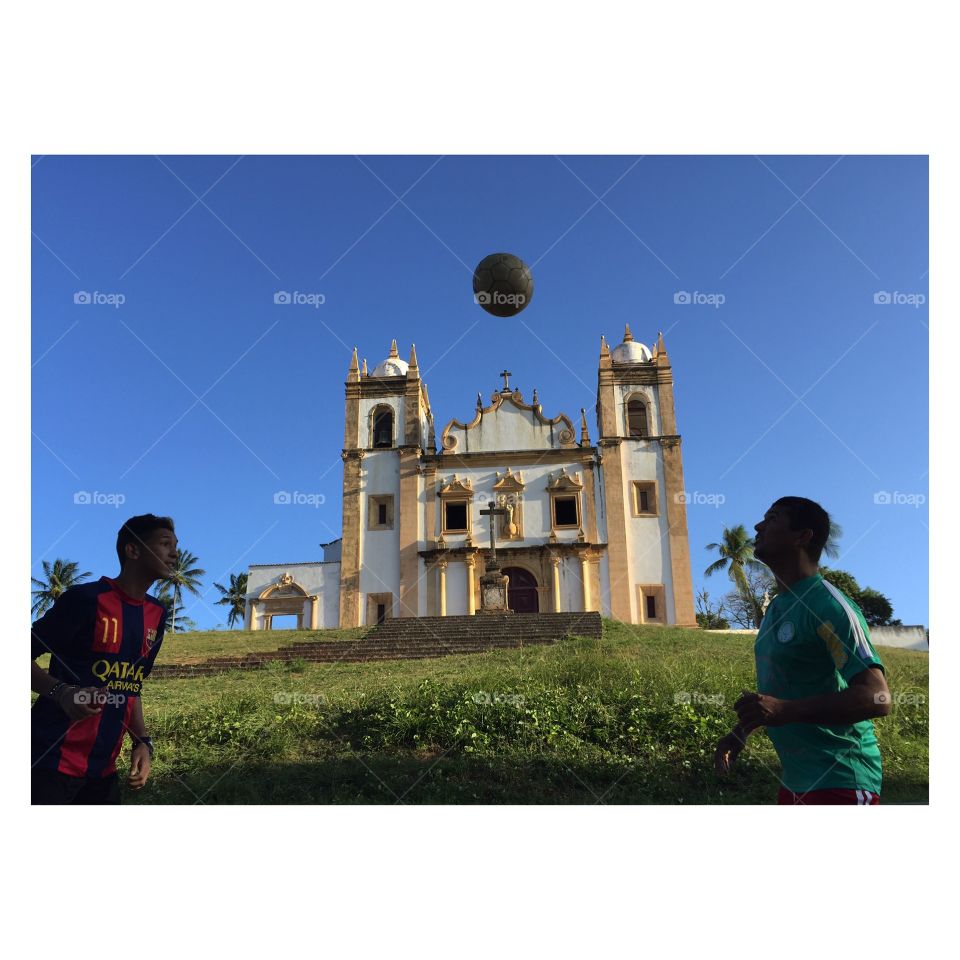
(363, 369)
(584, 434)
(354, 372)
(393, 351)
(627, 335)
(604, 349)
(661, 349)
(536, 399)
(413, 355)
(479, 402)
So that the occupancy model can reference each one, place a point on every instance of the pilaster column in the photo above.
(314, 612)
(442, 568)
(555, 560)
(471, 601)
(585, 577)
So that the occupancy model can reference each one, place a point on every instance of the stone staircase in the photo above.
(411, 638)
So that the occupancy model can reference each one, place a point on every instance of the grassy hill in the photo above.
(632, 718)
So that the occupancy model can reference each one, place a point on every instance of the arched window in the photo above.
(383, 427)
(637, 418)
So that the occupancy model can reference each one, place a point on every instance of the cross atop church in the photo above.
(506, 374)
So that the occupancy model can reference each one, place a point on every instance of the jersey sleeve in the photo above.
(846, 635)
(56, 629)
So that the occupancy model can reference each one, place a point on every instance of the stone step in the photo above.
(411, 638)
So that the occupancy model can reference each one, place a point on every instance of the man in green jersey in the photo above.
(819, 679)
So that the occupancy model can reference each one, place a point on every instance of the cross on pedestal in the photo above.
(491, 512)
(506, 374)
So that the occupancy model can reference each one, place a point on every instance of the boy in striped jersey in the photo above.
(102, 639)
(820, 682)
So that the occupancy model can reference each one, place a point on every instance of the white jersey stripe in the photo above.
(861, 646)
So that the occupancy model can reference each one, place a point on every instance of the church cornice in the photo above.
(502, 458)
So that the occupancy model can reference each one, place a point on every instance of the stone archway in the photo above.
(522, 593)
(284, 598)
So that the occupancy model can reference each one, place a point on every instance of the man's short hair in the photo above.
(138, 530)
(806, 514)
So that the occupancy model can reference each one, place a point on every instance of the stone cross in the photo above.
(491, 512)
(506, 374)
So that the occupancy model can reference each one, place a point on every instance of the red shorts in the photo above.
(860, 797)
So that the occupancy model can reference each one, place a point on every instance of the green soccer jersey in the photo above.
(813, 640)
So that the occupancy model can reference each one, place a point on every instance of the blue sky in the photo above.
(198, 397)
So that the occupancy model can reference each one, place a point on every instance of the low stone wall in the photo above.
(906, 638)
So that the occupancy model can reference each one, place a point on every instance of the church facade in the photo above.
(582, 524)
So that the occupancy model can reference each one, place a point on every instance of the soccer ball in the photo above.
(502, 284)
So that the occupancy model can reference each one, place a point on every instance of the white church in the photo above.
(585, 525)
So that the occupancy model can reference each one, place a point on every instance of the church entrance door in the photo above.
(522, 596)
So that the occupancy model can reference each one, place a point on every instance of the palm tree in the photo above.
(59, 577)
(736, 557)
(235, 597)
(186, 577)
(177, 620)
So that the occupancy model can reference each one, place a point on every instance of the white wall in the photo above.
(322, 579)
(379, 549)
(456, 589)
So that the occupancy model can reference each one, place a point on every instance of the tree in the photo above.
(235, 597)
(736, 557)
(843, 581)
(877, 609)
(177, 620)
(186, 577)
(747, 604)
(59, 577)
(708, 616)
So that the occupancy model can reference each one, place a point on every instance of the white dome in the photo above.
(391, 367)
(630, 351)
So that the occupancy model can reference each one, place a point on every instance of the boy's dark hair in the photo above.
(138, 530)
(806, 514)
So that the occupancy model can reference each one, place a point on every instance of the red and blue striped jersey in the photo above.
(96, 636)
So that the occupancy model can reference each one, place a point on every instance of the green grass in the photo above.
(584, 721)
(207, 644)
